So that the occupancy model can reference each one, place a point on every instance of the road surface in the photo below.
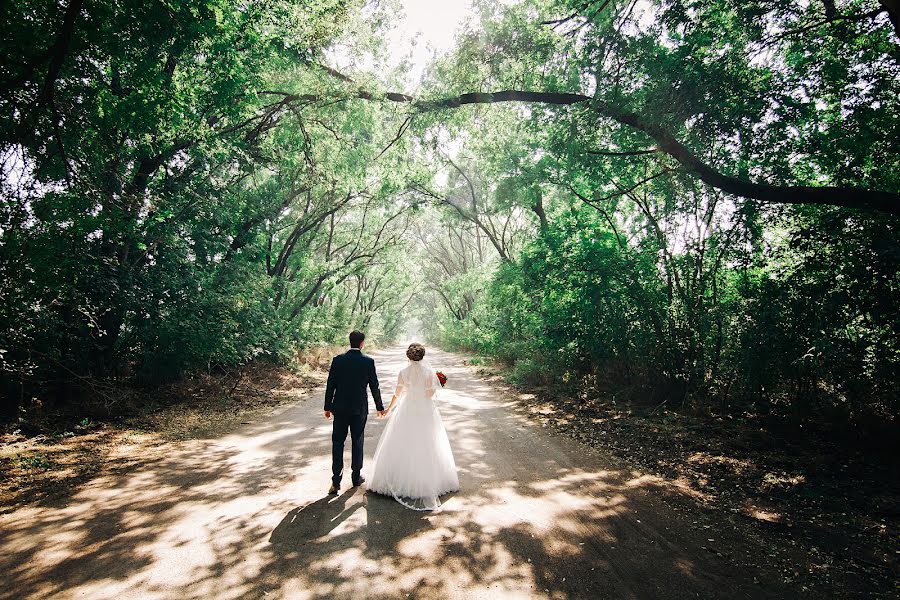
(246, 515)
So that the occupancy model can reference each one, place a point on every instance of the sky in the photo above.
(432, 25)
(425, 27)
(436, 22)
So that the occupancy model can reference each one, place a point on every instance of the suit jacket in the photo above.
(348, 377)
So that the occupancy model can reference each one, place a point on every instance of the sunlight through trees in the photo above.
(691, 203)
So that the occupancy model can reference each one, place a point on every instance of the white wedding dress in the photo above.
(413, 460)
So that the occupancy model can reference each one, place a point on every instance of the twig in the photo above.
(622, 153)
(403, 127)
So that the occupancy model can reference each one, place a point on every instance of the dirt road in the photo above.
(247, 516)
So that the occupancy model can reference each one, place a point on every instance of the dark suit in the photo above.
(346, 398)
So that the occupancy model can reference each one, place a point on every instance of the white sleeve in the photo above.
(401, 384)
(430, 380)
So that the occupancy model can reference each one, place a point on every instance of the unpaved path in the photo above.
(247, 516)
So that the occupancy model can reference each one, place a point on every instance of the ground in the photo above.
(823, 506)
(242, 512)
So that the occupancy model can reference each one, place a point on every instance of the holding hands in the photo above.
(385, 413)
(381, 413)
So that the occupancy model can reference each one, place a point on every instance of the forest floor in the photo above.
(828, 509)
(220, 493)
(46, 455)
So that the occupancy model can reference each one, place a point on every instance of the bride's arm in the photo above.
(397, 391)
(393, 401)
(430, 388)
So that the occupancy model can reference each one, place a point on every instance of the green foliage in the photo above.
(794, 331)
(819, 318)
(181, 190)
(190, 186)
(643, 279)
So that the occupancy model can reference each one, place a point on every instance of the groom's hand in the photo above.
(382, 413)
(328, 414)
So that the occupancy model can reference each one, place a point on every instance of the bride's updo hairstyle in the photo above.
(415, 352)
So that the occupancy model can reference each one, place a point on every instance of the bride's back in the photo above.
(418, 380)
(413, 460)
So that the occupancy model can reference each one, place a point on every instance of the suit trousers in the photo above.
(357, 426)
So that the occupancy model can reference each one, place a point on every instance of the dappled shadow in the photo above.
(247, 516)
(303, 525)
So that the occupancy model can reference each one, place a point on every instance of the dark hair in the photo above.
(356, 338)
(415, 352)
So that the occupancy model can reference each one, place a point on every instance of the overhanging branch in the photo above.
(665, 142)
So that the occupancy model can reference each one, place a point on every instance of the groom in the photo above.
(347, 402)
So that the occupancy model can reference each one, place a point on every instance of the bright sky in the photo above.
(424, 28)
(428, 27)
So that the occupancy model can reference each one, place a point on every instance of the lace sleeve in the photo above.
(431, 383)
(401, 385)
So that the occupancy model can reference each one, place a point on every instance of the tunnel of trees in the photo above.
(695, 202)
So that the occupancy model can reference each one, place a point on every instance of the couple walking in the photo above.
(413, 460)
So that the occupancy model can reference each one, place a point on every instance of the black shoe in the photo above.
(359, 482)
(333, 490)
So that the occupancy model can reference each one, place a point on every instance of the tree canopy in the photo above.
(693, 201)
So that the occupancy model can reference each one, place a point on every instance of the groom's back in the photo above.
(348, 377)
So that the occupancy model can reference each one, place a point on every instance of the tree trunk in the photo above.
(893, 11)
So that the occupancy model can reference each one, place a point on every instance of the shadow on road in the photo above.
(246, 516)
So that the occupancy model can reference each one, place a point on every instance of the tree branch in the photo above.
(666, 142)
(622, 153)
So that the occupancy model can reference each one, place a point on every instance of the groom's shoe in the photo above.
(333, 490)
(359, 481)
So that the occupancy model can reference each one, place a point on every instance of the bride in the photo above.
(413, 460)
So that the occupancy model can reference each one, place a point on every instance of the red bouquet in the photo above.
(442, 378)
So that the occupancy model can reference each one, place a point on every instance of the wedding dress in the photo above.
(413, 460)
